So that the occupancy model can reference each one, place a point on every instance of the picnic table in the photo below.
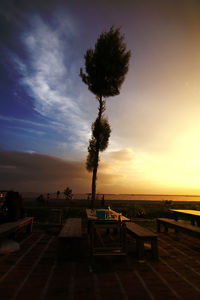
(178, 225)
(192, 215)
(111, 221)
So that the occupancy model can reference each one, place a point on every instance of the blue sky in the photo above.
(42, 107)
(46, 111)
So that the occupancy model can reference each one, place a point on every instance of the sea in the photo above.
(120, 197)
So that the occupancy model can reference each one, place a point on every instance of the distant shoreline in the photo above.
(113, 203)
(117, 197)
(29, 194)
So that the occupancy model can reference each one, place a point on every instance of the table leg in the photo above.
(140, 248)
(154, 248)
(91, 234)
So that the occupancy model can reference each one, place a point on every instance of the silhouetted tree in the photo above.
(105, 70)
(68, 193)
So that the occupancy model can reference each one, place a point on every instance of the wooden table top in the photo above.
(187, 212)
(114, 216)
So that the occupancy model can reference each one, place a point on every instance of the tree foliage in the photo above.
(68, 193)
(100, 131)
(106, 65)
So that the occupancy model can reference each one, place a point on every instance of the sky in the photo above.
(46, 111)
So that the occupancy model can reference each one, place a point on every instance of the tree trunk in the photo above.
(94, 179)
(94, 175)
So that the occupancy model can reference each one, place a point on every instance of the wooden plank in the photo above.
(187, 228)
(10, 227)
(71, 229)
(139, 230)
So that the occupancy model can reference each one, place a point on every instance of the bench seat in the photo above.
(69, 238)
(178, 226)
(71, 229)
(10, 228)
(143, 235)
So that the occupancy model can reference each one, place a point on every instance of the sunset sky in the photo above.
(46, 111)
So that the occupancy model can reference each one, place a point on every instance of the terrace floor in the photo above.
(34, 272)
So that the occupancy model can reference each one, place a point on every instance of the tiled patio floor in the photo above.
(33, 272)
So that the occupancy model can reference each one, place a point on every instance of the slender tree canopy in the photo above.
(106, 65)
(100, 130)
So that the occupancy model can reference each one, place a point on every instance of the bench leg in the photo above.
(176, 217)
(29, 227)
(124, 239)
(166, 229)
(92, 239)
(158, 226)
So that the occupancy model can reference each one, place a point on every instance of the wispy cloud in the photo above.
(50, 76)
(11, 119)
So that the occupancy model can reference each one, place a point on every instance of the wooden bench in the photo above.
(178, 226)
(10, 228)
(143, 235)
(70, 235)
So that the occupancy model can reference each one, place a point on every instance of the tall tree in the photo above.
(105, 69)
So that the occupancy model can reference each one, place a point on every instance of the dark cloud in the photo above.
(37, 172)
(33, 172)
